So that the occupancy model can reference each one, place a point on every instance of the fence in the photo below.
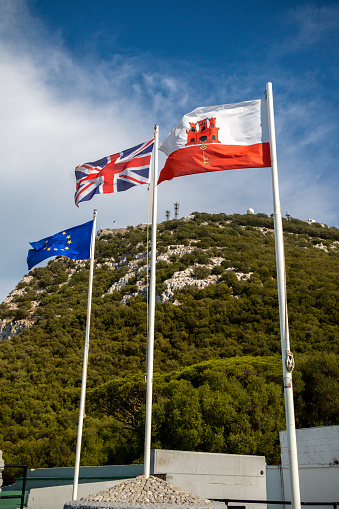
(24, 477)
(228, 502)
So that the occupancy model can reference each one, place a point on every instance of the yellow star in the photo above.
(64, 233)
(55, 249)
(66, 247)
(68, 236)
(48, 249)
(69, 242)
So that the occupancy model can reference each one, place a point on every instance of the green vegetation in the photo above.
(231, 405)
(218, 375)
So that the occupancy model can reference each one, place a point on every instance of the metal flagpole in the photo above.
(287, 356)
(85, 363)
(150, 342)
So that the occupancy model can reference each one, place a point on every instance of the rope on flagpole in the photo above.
(147, 255)
(288, 362)
(150, 342)
(85, 364)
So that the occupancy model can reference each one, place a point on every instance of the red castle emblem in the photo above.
(203, 134)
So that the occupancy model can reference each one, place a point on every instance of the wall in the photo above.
(1, 469)
(274, 486)
(55, 497)
(46, 477)
(318, 460)
(212, 475)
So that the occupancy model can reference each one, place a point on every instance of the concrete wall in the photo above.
(274, 486)
(318, 461)
(55, 497)
(212, 475)
(1, 469)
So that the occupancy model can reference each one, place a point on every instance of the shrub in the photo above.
(201, 272)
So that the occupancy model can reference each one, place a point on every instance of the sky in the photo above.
(81, 80)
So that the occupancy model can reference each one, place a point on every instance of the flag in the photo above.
(74, 243)
(114, 173)
(215, 138)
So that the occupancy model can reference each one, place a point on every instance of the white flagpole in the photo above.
(85, 363)
(150, 342)
(287, 356)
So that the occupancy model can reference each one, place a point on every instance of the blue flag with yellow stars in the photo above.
(74, 243)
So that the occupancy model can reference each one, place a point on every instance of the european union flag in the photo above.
(74, 243)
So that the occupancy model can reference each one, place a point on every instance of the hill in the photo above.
(218, 376)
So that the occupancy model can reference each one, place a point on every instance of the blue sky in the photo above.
(83, 79)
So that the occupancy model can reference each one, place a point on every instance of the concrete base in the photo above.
(115, 505)
(55, 497)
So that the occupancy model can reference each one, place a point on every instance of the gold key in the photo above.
(203, 148)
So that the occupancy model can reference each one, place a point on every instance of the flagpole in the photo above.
(85, 363)
(150, 342)
(287, 356)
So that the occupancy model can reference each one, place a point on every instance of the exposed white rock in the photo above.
(242, 276)
(17, 292)
(181, 279)
(264, 230)
(9, 327)
(177, 250)
(178, 280)
(321, 246)
(123, 281)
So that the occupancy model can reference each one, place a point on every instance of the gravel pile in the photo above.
(145, 491)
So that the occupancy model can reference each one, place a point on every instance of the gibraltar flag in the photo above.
(215, 138)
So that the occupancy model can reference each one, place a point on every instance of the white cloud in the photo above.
(48, 131)
(58, 113)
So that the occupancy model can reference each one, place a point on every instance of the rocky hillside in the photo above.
(216, 302)
(198, 268)
(22, 303)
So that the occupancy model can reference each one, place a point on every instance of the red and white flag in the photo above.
(215, 138)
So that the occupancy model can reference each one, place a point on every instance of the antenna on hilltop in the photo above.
(168, 213)
(176, 210)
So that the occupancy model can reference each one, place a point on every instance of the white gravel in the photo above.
(134, 493)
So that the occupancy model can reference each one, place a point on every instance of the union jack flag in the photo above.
(114, 173)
